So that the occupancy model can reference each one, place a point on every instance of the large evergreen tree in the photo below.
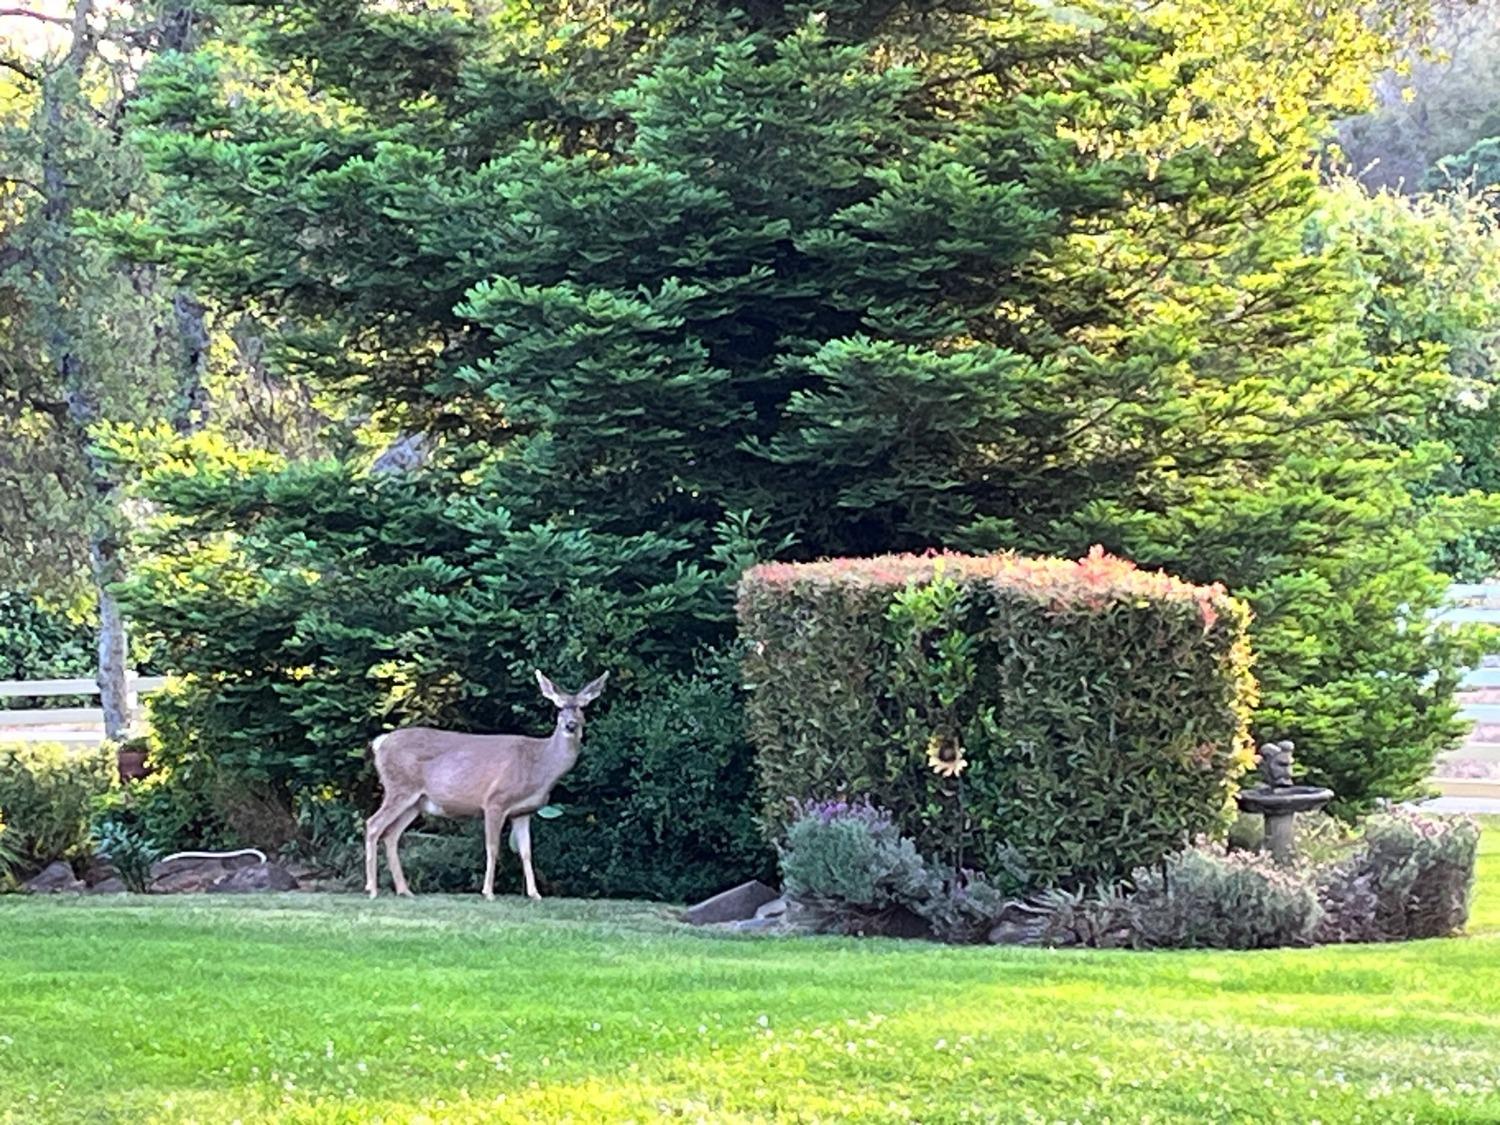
(692, 284)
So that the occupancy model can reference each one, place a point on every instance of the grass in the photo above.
(335, 1009)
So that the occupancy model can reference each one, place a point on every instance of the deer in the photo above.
(497, 776)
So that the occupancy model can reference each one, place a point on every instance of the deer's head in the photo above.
(570, 705)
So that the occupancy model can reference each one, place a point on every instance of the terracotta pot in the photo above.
(131, 764)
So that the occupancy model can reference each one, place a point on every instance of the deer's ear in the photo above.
(590, 692)
(548, 689)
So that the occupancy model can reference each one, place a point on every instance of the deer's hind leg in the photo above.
(390, 811)
(392, 840)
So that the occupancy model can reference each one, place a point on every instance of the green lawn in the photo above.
(311, 1008)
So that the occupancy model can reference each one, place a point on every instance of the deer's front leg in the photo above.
(494, 820)
(520, 839)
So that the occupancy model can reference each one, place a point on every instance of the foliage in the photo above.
(10, 857)
(849, 862)
(846, 863)
(1019, 277)
(1074, 760)
(450, 862)
(1440, 98)
(695, 1024)
(161, 814)
(662, 802)
(1412, 877)
(331, 834)
(1428, 272)
(1407, 875)
(1097, 917)
(116, 837)
(961, 908)
(83, 340)
(437, 611)
(38, 642)
(311, 626)
(1207, 898)
(46, 793)
(1476, 169)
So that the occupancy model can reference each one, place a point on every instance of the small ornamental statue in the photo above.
(1276, 764)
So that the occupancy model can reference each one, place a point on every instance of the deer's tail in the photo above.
(372, 749)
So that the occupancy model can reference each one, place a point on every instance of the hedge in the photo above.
(1043, 721)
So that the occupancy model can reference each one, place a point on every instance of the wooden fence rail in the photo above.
(63, 724)
(1474, 604)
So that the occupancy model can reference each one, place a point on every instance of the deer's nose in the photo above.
(570, 726)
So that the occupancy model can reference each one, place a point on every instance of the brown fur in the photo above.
(501, 777)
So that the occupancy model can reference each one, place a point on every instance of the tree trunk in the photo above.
(192, 331)
(177, 22)
(83, 400)
(114, 690)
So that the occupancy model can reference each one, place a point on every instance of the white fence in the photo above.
(1475, 605)
(63, 724)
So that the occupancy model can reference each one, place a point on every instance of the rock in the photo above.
(184, 861)
(783, 918)
(734, 905)
(773, 909)
(189, 872)
(57, 877)
(98, 870)
(114, 885)
(262, 877)
(186, 876)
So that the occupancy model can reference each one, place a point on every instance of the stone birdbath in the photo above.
(1278, 800)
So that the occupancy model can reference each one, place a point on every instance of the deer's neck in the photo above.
(562, 752)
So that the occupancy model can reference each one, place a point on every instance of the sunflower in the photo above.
(945, 756)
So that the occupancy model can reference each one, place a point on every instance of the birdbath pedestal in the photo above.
(1279, 801)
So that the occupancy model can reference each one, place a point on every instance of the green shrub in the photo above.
(10, 858)
(331, 835)
(1413, 877)
(849, 864)
(46, 796)
(452, 862)
(1098, 917)
(1207, 898)
(117, 839)
(38, 643)
(313, 611)
(1093, 716)
(853, 872)
(662, 801)
(165, 812)
(961, 908)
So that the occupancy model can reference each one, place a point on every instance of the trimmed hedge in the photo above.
(1093, 716)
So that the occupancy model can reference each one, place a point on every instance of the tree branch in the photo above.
(24, 71)
(21, 181)
(60, 21)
